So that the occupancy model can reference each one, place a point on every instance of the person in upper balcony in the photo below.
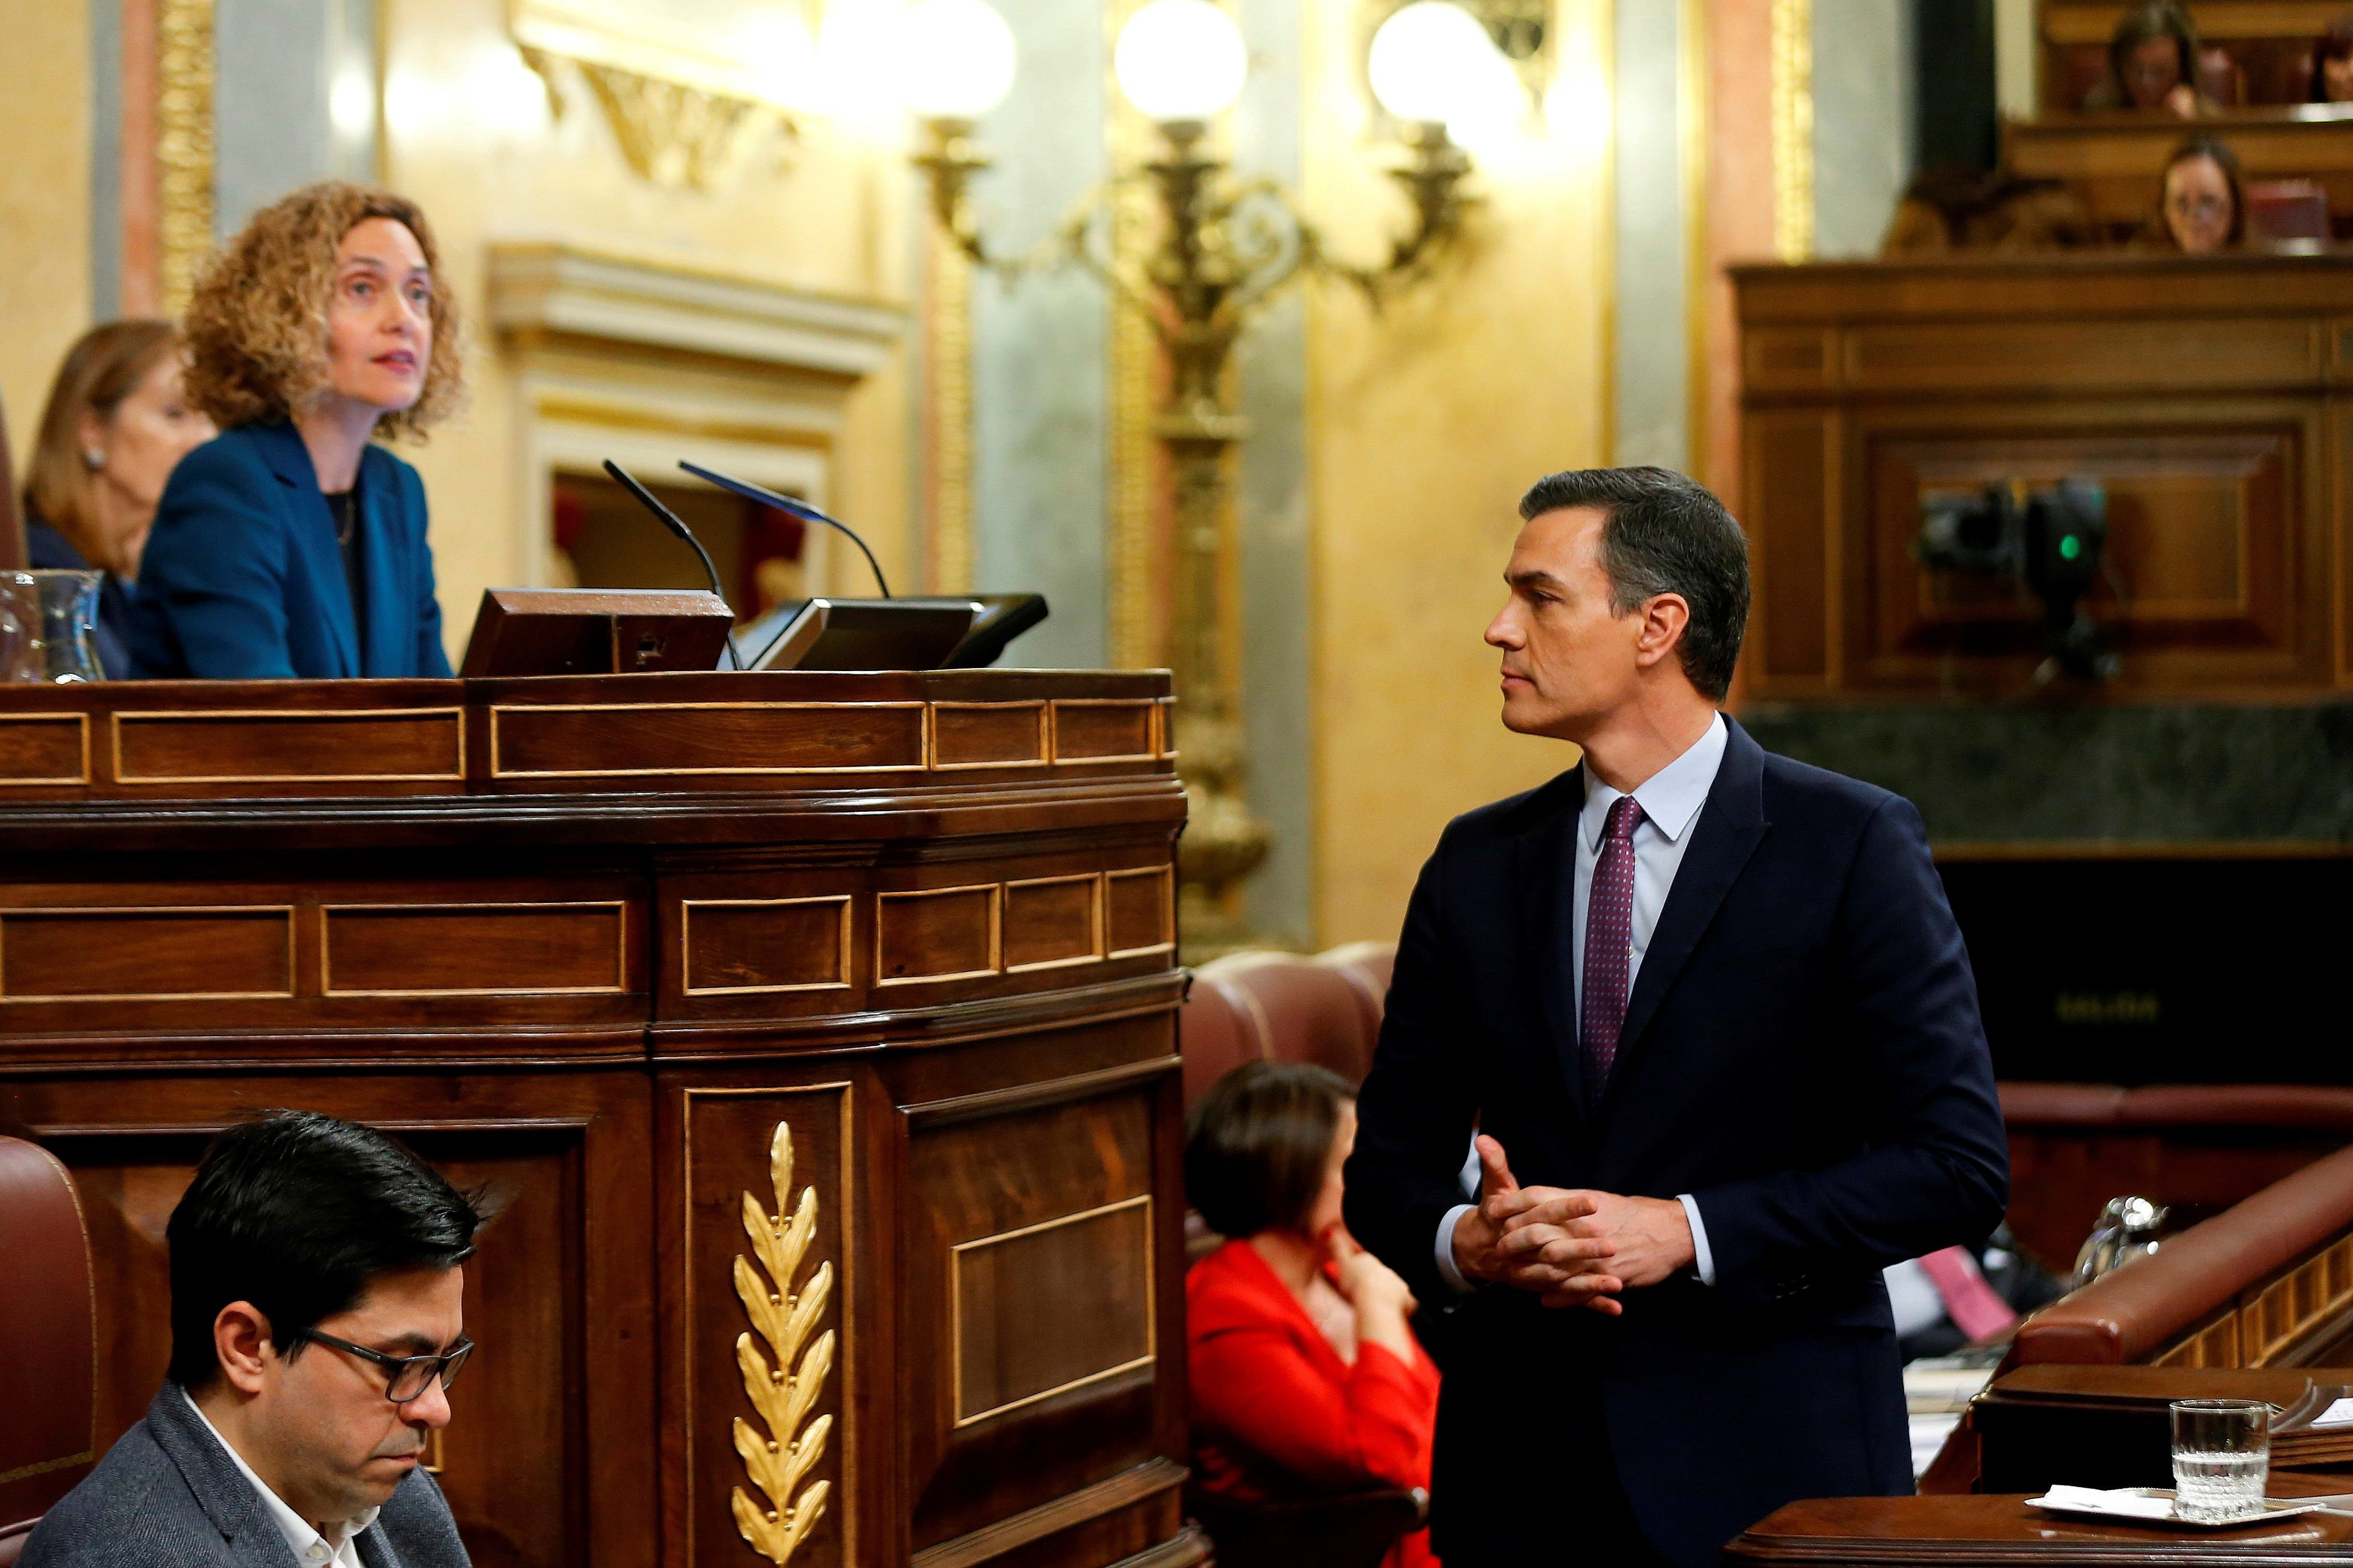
(2153, 64)
(292, 545)
(2332, 64)
(118, 421)
(1304, 1372)
(2202, 204)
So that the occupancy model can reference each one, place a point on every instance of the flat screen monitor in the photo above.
(867, 634)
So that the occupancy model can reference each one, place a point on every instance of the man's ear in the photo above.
(1664, 617)
(241, 1343)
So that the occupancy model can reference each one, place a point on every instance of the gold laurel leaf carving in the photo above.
(783, 1383)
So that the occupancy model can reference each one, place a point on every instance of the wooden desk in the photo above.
(2212, 396)
(591, 943)
(1962, 1531)
(2115, 160)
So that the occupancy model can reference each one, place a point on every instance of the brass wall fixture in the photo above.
(1226, 246)
(784, 1392)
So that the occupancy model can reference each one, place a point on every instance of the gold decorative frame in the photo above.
(284, 912)
(785, 1392)
(843, 907)
(956, 1255)
(620, 986)
(31, 781)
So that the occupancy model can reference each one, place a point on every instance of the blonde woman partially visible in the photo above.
(291, 545)
(118, 421)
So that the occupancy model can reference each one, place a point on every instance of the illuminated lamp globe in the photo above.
(1180, 60)
(1431, 62)
(956, 58)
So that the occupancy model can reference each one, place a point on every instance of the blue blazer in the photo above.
(242, 578)
(1801, 1053)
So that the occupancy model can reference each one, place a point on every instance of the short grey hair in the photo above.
(1664, 533)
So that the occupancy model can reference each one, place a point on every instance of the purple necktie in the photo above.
(1608, 946)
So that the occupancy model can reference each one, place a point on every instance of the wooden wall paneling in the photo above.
(549, 1459)
(44, 749)
(2216, 526)
(2114, 160)
(1792, 491)
(1041, 1295)
(355, 945)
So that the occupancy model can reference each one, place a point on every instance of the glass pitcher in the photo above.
(21, 653)
(68, 615)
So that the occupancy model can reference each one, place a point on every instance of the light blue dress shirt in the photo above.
(1671, 800)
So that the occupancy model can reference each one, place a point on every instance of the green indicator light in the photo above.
(2070, 547)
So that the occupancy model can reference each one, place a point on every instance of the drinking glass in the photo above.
(68, 604)
(20, 627)
(2222, 1457)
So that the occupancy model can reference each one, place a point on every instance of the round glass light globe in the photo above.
(1180, 60)
(1431, 62)
(956, 58)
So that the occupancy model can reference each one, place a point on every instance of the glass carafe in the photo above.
(69, 606)
(20, 627)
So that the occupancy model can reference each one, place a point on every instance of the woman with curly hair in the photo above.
(290, 545)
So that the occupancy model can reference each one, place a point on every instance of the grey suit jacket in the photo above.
(168, 1496)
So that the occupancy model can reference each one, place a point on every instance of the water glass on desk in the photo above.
(2222, 1457)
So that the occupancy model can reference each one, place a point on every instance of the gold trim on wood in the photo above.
(101, 910)
(996, 891)
(785, 1394)
(1793, 130)
(956, 1308)
(1167, 915)
(620, 957)
(1151, 753)
(81, 720)
(686, 908)
(43, 1466)
(1045, 746)
(500, 770)
(183, 144)
(1098, 900)
(115, 721)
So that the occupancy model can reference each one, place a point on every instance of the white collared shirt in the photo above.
(1671, 800)
(338, 1548)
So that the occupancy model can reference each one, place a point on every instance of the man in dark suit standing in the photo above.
(1708, 1011)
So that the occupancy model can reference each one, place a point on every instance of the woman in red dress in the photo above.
(1305, 1375)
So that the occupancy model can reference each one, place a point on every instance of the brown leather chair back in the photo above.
(47, 1341)
(2252, 1287)
(1281, 1007)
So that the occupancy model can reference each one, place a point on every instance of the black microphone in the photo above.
(672, 522)
(787, 504)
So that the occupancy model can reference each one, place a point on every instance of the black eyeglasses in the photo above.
(405, 1376)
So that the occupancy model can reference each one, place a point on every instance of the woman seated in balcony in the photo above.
(290, 545)
(1305, 1372)
(118, 421)
(2153, 64)
(2203, 205)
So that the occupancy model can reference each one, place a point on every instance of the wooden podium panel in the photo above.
(662, 962)
(2212, 397)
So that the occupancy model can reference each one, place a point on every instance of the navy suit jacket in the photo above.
(1801, 1052)
(242, 578)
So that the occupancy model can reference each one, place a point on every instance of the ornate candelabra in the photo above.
(1225, 246)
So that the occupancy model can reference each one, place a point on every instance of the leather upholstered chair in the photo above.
(1283, 1007)
(48, 1376)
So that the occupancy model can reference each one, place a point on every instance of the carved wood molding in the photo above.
(673, 135)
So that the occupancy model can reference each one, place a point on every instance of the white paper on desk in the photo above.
(2127, 1502)
(2338, 1415)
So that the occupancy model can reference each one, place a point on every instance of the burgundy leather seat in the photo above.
(47, 1341)
(1283, 1006)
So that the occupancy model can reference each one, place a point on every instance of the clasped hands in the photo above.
(1574, 1248)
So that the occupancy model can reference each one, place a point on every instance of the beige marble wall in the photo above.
(44, 201)
(1424, 425)
(469, 133)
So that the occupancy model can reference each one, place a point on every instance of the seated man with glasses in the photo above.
(317, 1319)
